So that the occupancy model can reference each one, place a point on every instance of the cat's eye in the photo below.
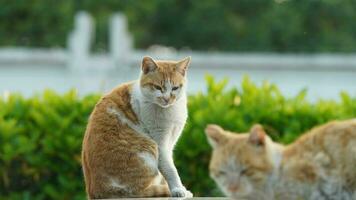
(157, 87)
(221, 173)
(175, 88)
(243, 172)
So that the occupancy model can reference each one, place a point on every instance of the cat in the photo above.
(131, 133)
(321, 164)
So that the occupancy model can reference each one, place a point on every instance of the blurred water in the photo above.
(29, 80)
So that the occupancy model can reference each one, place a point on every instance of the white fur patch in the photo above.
(168, 86)
(275, 154)
(158, 179)
(126, 121)
(149, 160)
(163, 125)
(116, 184)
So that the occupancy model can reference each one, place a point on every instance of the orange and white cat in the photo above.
(321, 164)
(131, 134)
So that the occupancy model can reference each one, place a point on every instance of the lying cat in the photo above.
(321, 164)
(131, 134)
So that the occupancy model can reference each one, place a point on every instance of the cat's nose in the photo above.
(233, 188)
(165, 99)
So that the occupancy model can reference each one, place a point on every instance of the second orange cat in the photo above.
(321, 164)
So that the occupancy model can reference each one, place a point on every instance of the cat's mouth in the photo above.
(165, 104)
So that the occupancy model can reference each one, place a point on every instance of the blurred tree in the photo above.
(242, 25)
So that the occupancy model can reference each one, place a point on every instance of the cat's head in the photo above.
(240, 164)
(163, 82)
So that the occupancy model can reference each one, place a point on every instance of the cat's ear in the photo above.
(182, 65)
(148, 65)
(215, 135)
(257, 135)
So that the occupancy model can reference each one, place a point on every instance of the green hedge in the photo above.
(40, 137)
(40, 143)
(232, 25)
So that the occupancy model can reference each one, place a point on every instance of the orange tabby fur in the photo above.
(110, 147)
(321, 164)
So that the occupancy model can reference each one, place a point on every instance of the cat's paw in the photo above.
(181, 192)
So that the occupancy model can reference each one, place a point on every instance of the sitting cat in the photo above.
(131, 134)
(321, 164)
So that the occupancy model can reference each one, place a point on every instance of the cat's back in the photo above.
(337, 138)
(113, 152)
(108, 123)
(339, 144)
(330, 149)
(102, 116)
(330, 137)
(338, 141)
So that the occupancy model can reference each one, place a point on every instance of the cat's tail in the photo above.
(86, 174)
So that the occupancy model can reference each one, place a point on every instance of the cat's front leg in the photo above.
(170, 173)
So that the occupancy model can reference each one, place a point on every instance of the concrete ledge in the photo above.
(194, 198)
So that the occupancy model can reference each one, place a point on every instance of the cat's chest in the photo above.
(156, 118)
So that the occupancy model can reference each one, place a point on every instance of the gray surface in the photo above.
(195, 198)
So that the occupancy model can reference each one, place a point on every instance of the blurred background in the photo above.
(94, 45)
(290, 64)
